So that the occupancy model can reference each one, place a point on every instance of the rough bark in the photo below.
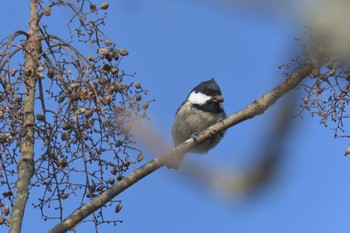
(26, 162)
(256, 108)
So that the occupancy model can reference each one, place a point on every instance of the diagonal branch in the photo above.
(256, 108)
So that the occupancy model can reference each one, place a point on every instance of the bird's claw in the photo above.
(194, 136)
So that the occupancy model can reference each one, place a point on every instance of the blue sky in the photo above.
(173, 46)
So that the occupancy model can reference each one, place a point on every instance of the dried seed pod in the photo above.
(1, 114)
(103, 101)
(47, 11)
(6, 210)
(61, 99)
(13, 72)
(111, 89)
(62, 162)
(64, 196)
(102, 80)
(137, 85)
(92, 7)
(2, 54)
(40, 117)
(91, 58)
(66, 126)
(7, 194)
(332, 72)
(40, 76)
(65, 136)
(111, 181)
(120, 177)
(145, 105)
(50, 74)
(104, 6)
(106, 67)
(103, 51)
(139, 157)
(108, 99)
(118, 208)
(115, 56)
(80, 111)
(123, 52)
(114, 70)
(2, 220)
(138, 98)
(113, 171)
(3, 138)
(74, 85)
(88, 114)
(108, 42)
(41, 68)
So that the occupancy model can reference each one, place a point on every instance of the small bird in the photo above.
(202, 108)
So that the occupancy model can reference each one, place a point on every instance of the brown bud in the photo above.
(2, 220)
(106, 67)
(61, 99)
(115, 56)
(1, 114)
(80, 111)
(40, 76)
(113, 171)
(111, 181)
(104, 6)
(92, 7)
(64, 196)
(40, 117)
(13, 72)
(139, 157)
(145, 105)
(50, 74)
(88, 114)
(114, 70)
(66, 126)
(62, 162)
(2, 54)
(65, 136)
(120, 177)
(6, 210)
(123, 52)
(41, 68)
(137, 85)
(91, 58)
(118, 208)
(74, 85)
(102, 80)
(138, 98)
(108, 42)
(103, 51)
(7, 194)
(47, 11)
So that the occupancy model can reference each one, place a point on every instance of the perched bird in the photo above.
(202, 108)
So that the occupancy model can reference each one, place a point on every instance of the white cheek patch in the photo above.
(198, 98)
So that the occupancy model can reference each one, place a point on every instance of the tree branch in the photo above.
(25, 166)
(256, 108)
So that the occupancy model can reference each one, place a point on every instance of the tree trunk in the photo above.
(26, 163)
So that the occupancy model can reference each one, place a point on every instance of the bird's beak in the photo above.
(218, 99)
